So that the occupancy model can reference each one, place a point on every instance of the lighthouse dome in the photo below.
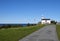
(42, 17)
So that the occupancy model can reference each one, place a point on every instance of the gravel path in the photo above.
(47, 33)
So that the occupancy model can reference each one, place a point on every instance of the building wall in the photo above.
(45, 21)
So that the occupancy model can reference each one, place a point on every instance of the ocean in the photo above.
(14, 24)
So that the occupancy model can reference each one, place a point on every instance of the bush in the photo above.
(53, 22)
(31, 24)
(10, 26)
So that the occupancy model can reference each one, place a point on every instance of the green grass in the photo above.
(58, 31)
(13, 34)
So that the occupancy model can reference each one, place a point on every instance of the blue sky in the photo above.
(28, 11)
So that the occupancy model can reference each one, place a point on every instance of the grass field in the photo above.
(58, 31)
(15, 34)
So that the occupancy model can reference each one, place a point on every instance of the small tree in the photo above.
(28, 24)
(53, 22)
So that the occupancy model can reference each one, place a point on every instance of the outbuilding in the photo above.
(45, 21)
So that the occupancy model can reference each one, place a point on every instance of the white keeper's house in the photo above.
(45, 20)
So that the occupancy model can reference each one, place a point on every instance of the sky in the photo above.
(28, 11)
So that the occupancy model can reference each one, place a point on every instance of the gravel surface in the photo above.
(47, 33)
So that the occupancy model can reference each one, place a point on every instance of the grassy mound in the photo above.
(15, 34)
(58, 31)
